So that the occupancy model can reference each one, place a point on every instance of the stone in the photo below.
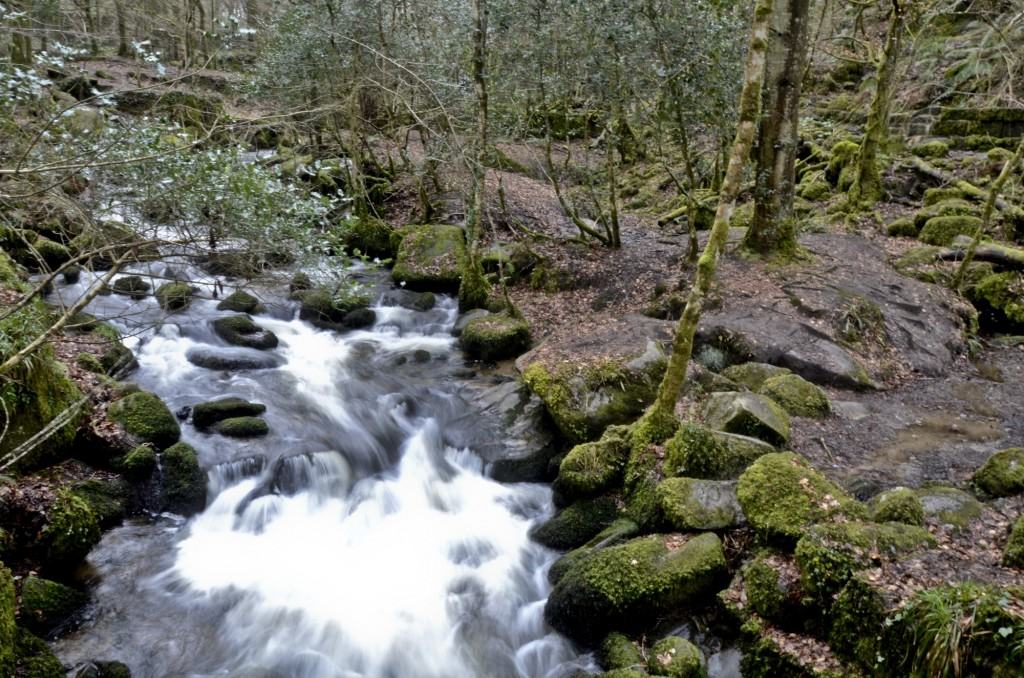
(132, 286)
(495, 337)
(46, 604)
(799, 397)
(233, 360)
(999, 298)
(772, 584)
(516, 440)
(331, 310)
(577, 524)
(146, 418)
(691, 504)
(70, 533)
(898, 505)
(1003, 474)
(240, 330)
(949, 506)
(430, 257)
(140, 463)
(106, 497)
(467, 318)
(1013, 554)
(242, 427)
(619, 652)
(240, 302)
(753, 375)
(699, 452)
(592, 468)
(677, 658)
(747, 414)
(174, 296)
(943, 230)
(209, 413)
(370, 237)
(183, 488)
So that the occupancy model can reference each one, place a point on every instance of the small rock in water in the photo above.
(233, 360)
(183, 413)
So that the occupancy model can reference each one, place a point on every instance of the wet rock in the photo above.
(468, 317)
(592, 468)
(748, 414)
(240, 330)
(699, 452)
(619, 652)
(146, 418)
(107, 498)
(782, 496)
(949, 505)
(408, 299)
(183, 487)
(210, 412)
(139, 464)
(616, 533)
(495, 337)
(359, 318)
(174, 296)
(70, 533)
(132, 286)
(633, 583)
(753, 375)
(183, 413)
(243, 359)
(240, 302)
(521, 444)
(98, 669)
(678, 658)
(242, 427)
(691, 504)
(430, 257)
(1003, 473)
(46, 604)
(577, 524)
(898, 505)
(331, 309)
(798, 397)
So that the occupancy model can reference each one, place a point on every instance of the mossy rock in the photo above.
(678, 658)
(943, 230)
(7, 627)
(577, 523)
(692, 504)
(240, 302)
(814, 190)
(953, 207)
(53, 254)
(903, 227)
(35, 659)
(240, 330)
(624, 673)
(616, 533)
(699, 452)
(369, 237)
(209, 413)
(782, 496)
(949, 506)
(797, 396)
(115, 356)
(919, 263)
(753, 375)
(338, 309)
(70, 533)
(773, 588)
(174, 296)
(106, 498)
(89, 363)
(898, 505)
(184, 483)
(933, 196)
(140, 463)
(131, 285)
(431, 257)
(747, 414)
(1000, 301)
(931, 149)
(592, 468)
(145, 417)
(842, 156)
(1003, 474)
(860, 616)
(619, 652)
(828, 555)
(634, 583)
(495, 337)
(1013, 554)
(242, 427)
(46, 604)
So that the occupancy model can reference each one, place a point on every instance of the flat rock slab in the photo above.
(233, 359)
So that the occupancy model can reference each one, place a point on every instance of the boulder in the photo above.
(467, 318)
(209, 413)
(773, 589)
(934, 196)
(616, 533)
(677, 658)
(898, 505)
(1003, 474)
(902, 228)
(344, 308)
(183, 488)
(131, 285)
(35, 658)
(1013, 554)
(495, 337)
(240, 302)
(46, 604)
(691, 504)
(430, 257)
(999, 298)
(747, 414)
(515, 438)
(370, 237)
(70, 533)
(174, 296)
(949, 506)
(944, 208)
(798, 397)
(578, 523)
(240, 330)
(782, 496)
(146, 418)
(619, 652)
(242, 427)
(139, 464)
(634, 583)
(753, 375)
(699, 452)
(592, 468)
(943, 230)
(233, 360)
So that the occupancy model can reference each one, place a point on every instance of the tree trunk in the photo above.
(663, 409)
(21, 44)
(773, 229)
(867, 185)
(122, 37)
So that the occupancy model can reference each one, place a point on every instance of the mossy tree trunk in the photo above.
(773, 230)
(473, 289)
(122, 33)
(21, 43)
(867, 184)
(664, 405)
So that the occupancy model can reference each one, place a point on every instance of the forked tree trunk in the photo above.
(773, 229)
(663, 408)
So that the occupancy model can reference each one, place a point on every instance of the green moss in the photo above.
(903, 228)
(748, 414)
(240, 330)
(431, 256)
(209, 413)
(1003, 474)
(369, 237)
(842, 157)
(828, 555)
(1000, 300)
(814, 190)
(577, 523)
(619, 652)
(242, 427)
(933, 196)
(1013, 554)
(144, 416)
(7, 628)
(35, 658)
(931, 149)
(140, 463)
(174, 296)
(797, 396)
(858, 623)
(772, 586)
(678, 658)
(184, 483)
(131, 285)
(495, 337)
(782, 496)
(592, 468)
(89, 363)
(753, 375)
(898, 505)
(690, 504)
(943, 230)
(632, 583)
(45, 603)
(945, 208)
(618, 532)
(699, 452)
(106, 498)
(71, 531)
(240, 302)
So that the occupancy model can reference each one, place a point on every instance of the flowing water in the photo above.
(360, 538)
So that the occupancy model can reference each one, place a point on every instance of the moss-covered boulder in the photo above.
(828, 555)
(369, 237)
(773, 588)
(616, 533)
(145, 417)
(592, 468)
(430, 257)
(114, 355)
(903, 227)
(240, 330)
(944, 208)
(242, 427)
(132, 286)
(578, 523)
(747, 414)
(240, 302)
(797, 396)
(698, 452)
(53, 254)
(898, 505)
(678, 658)
(71, 531)
(943, 230)
(782, 496)
(1003, 474)
(46, 604)
(495, 337)
(1013, 554)
(174, 296)
(631, 584)
(841, 158)
(933, 196)
(139, 463)
(208, 413)
(753, 375)
(949, 506)
(35, 659)
(936, 148)
(7, 628)
(183, 487)
(692, 504)
(107, 497)
(619, 652)
(337, 309)
(999, 298)
(814, 190)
